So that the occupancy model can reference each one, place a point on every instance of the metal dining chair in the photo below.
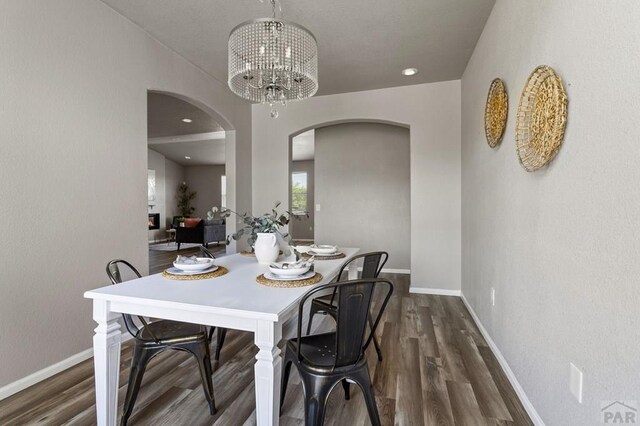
(372, 264)
(151, 338)
(205, 252)
(222, 332)
(324, 360)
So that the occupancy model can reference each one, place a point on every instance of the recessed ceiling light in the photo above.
(187, 120)
(410, 71)
(186, 157)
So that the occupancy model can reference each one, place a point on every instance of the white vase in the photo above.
(266, 248)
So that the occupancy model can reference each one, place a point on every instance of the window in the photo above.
(223, 191)
(299, 192)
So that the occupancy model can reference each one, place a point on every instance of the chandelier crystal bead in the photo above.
(272, 61)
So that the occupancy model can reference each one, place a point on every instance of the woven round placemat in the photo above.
(541, 119)
(332, 257)
(495, 112)
(261, 279)
(217, 273)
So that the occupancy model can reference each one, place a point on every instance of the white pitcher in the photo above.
(266, 248)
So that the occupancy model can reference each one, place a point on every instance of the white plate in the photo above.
(176, 271)
(313, 253)
(325, 249)
(270, 276)
(293, 272)
(205, 263)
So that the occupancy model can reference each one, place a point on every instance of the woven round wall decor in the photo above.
(541, 119)
(495, 112)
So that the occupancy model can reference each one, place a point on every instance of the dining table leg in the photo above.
(268, 372)
(106, 362)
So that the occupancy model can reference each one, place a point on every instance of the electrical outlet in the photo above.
(493, 296)
(575, 382)
(317, 207)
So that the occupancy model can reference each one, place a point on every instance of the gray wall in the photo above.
(303, 228)
(73, 158)
(156, 161)
(362, 186)
(205, 180)
(169, 175)
(561, 246)
(432, 111)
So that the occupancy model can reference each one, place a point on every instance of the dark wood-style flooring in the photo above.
(437, 370)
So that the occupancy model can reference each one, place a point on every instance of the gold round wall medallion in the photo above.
(495, 112)
(541, 119)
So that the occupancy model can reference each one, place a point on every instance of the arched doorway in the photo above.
(187, 159)
(353, 177)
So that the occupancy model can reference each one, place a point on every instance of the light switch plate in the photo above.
(317, 207)
(575, 382)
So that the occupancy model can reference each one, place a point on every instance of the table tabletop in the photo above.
(236, 293)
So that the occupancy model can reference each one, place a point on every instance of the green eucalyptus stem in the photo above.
(266, 223)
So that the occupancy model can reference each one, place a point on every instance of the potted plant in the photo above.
(185, 196)
(262, 231)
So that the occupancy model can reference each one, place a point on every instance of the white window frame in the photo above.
(223, 191)
(306, 178)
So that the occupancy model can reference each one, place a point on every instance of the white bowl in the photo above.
(203, 263)
(324, 249)
(293, 272)
(302, 249)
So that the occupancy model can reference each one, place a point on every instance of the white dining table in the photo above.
(234, 300)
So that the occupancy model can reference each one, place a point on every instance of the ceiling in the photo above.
(303, 146)
(363, 44)
(202, 140)
(165, 114)
(202, 152)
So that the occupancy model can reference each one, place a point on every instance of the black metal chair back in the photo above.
(206, 252)
(353, 308)
(115, 275)
(372, 264)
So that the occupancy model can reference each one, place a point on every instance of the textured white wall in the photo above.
(433, 113)
(73, 164)
(561, 246)
(362, 186)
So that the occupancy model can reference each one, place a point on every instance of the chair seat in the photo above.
(172, 331)
(318, 352)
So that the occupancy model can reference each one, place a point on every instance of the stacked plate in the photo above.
(290, 271)
(323, 250)
(192, 266)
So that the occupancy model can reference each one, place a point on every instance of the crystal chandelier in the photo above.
(272, 61)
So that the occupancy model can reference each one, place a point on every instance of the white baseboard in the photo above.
(159, 241)
(437, 291)
(40, 375)
(535, 417)
(396, 271)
